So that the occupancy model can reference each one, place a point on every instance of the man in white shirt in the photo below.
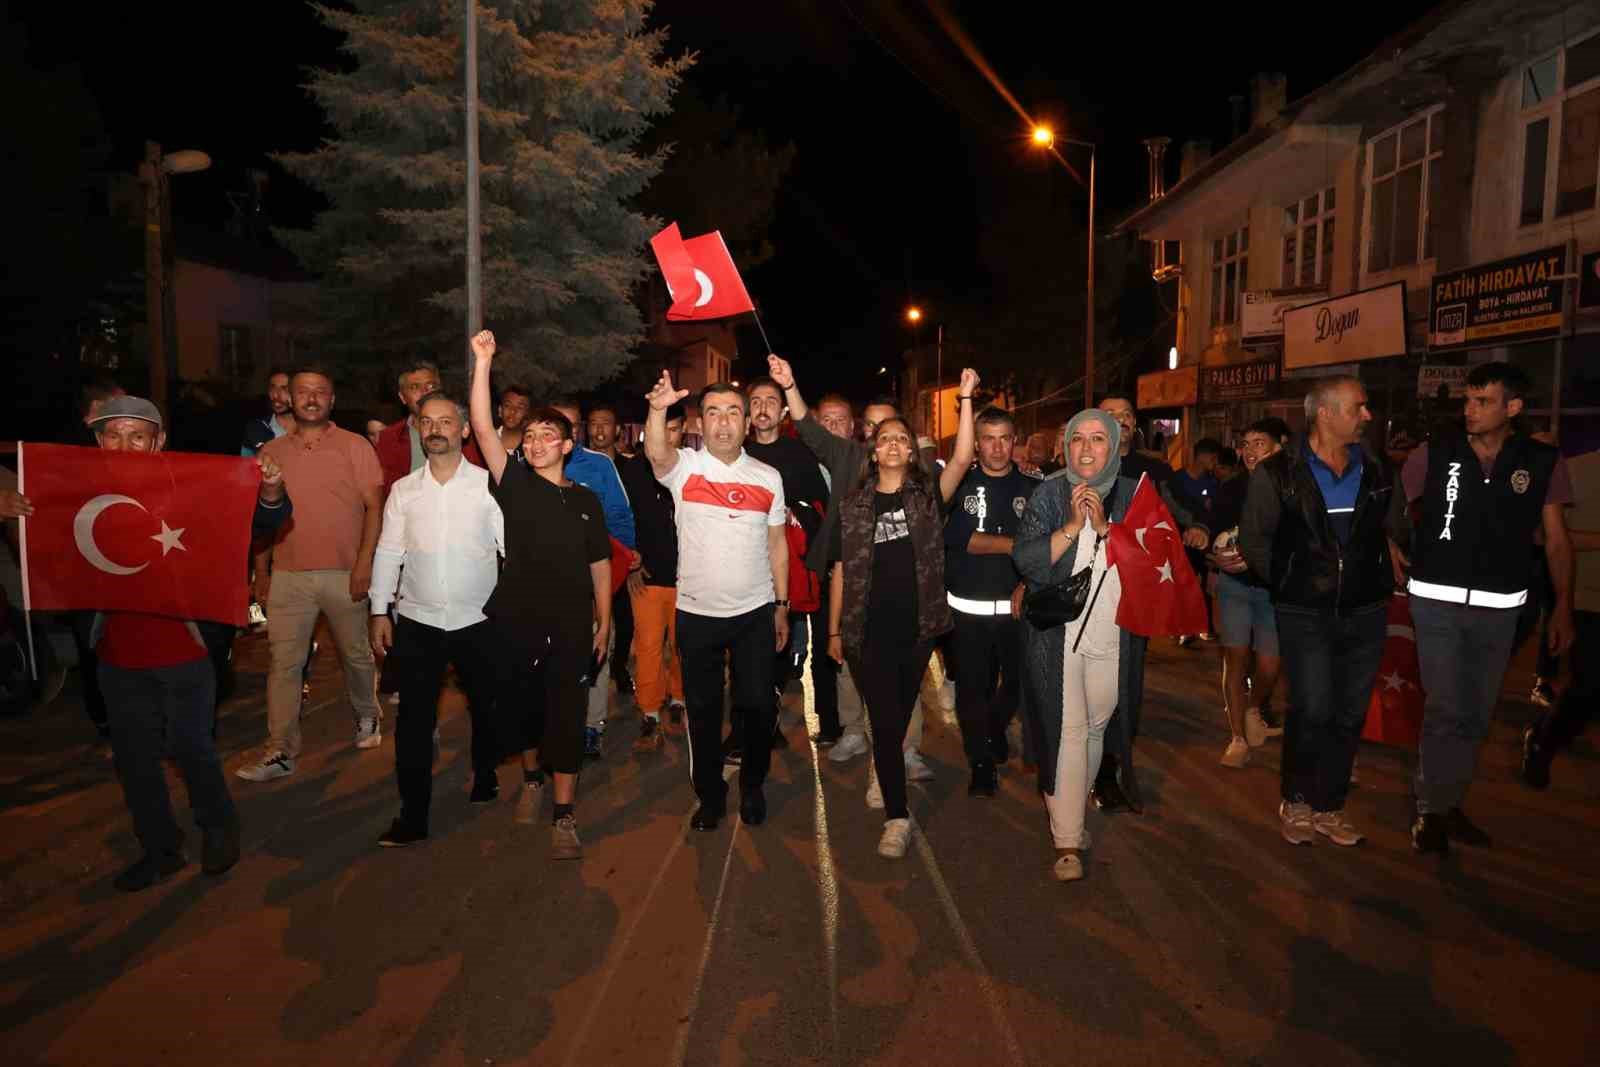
(733, 579)
(441, 525)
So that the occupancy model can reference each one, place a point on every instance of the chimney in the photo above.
(1269, 95)
(1236, 114)
(1195, 153)
(1157, 147)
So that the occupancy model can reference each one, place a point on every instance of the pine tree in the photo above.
(567, 88)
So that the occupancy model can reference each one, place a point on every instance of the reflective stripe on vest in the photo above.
(978, 607)
(1472, 598)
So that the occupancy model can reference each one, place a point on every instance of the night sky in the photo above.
(904, 150)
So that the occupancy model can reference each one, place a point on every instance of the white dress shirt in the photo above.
(446, 537)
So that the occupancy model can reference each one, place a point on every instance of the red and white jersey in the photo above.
(723, 512)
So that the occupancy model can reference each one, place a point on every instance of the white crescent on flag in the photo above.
(83, 533)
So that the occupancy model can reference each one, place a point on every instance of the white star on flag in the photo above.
(169, 538)
(1393, 680)
(1166, 572)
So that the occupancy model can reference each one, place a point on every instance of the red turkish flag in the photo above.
(700, 275)
(1394, 711)
(163, 534)
(1160, 593)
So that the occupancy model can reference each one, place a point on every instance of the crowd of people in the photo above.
(547, 572)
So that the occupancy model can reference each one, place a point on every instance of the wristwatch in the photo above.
(780, 603)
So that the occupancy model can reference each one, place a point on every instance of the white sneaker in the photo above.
(916, 769)
(272, 765)
(1256, 730)
(874, 794)
(1068, 868)
(1295, 823)
(848, 747)
(1336, 828)
(1237, 754)
(896, 836)
(368, 734)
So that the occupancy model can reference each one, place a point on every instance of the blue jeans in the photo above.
(1331, 662)
(1463, 654)
(150, 711)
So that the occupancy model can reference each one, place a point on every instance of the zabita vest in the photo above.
(1473, 539)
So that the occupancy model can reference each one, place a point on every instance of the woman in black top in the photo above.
(888, 599)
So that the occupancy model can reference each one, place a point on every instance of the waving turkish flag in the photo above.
(1160, 593)
(163, 534)
(700, 276)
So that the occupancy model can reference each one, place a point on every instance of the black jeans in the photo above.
(154, 710)
(1331, 662)
(986, 658)
(418, 659)
(824, 672)
(890, 676)
(94, 701)
(749, 641)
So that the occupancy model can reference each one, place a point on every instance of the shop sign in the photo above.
(1261, 317)
(1589, 282)
(1432, 377)
(1237, 381)
(1509, 300)
(1170, 388)
(1368, 324)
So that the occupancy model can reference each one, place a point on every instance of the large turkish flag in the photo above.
(1160, 594)
(1394, 711)
(164, 534)
(700, 276)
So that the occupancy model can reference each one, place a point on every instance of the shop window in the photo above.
(1230, 275)
(1402, 181)
(1561, 133)
(1308, 244)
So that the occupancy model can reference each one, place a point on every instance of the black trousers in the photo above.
(824, 672)
(540, 704)
(890, 676)
(1560, 727)
(748, 641)
(419, 658)
(94, 702)
(986, 658)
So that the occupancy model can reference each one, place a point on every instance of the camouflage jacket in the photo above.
(926, 521)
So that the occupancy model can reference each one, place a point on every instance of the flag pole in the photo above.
(763, 330)
(474, 230)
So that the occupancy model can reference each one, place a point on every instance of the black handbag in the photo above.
(1056, 605)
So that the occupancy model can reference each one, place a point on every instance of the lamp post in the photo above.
(1044, 137)
(158, 292)
(914, 316)
(474, 229)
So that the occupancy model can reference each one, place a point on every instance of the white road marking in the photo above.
(680, 1048)
(827, 878)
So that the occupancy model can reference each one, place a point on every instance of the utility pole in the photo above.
(474, 236)
(1088, 344)
(154, 180)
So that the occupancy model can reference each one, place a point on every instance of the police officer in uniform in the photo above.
(1484, 494)
(986, 645)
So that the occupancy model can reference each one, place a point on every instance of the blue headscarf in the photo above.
(1107, 477)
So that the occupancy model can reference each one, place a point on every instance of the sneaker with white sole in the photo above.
(1256, 730)
(896, 836)
(1336, 828)
(564, 843)
(528, 801)
(848, 747)
(1295, 820)
(916, 769)
(1068, 867)
(874, 794)
(368, 734)
(272, 765)
(1237, 753)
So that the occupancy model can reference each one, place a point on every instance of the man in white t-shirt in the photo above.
(733, 567)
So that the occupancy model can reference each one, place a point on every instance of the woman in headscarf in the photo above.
(1079, 671)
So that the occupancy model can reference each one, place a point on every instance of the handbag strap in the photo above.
(1099, 539)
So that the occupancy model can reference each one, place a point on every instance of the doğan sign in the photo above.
(1509, 300)
(1369, 324)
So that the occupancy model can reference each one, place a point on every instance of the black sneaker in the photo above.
(220, 849)
(1536, 756)
(1428, 835)
(985, 782)
(1462, 829)
(650, 735)
(151, 868)
(705, 818)
(400, 834)
(485, 790)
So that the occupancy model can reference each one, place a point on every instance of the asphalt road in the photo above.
(1199, 936)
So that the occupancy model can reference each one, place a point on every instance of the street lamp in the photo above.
(158, 295)
(1045, 138)
(914, 316)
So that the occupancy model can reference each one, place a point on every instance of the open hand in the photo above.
(662, 395)
(381, 632)
(836, 650)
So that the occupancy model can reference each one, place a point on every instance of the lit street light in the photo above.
(1044, 137)
(914, 316)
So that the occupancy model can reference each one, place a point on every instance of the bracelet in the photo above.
(780, 603)
(836, 635)
(960, 397)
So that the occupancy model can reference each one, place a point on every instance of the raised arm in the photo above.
(662, 457)
(479, 410)
(779, 370)
(966, 437)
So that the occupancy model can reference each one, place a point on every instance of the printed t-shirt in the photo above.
(984, 503)
(723, 511)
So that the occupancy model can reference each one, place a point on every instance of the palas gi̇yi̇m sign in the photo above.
(1514, 299)
(1237, 381)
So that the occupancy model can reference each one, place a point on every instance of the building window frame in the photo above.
(1394, 168)
(1298, 223)
(236, 355)
(1229, 274)
(1543, 98)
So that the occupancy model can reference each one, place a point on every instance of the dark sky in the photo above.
(905, 151)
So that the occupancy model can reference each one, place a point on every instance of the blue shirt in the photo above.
(596, 473)
(1339, 492)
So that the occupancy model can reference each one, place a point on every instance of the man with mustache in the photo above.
(322, 565)
(444, 528)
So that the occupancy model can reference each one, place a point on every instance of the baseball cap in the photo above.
(128, 407)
